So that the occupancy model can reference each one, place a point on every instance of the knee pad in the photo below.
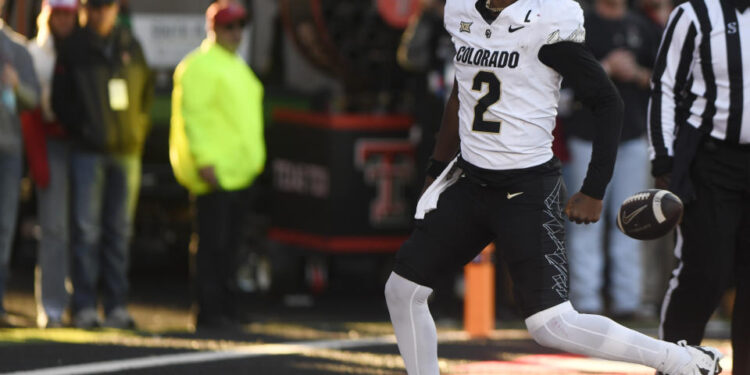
(403, 292)
(548, 327)
(562, 327)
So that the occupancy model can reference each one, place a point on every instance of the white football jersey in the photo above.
(508, 97)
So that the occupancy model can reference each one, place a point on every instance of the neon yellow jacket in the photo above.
(217, 120)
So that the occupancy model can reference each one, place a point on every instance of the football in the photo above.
(649, 214)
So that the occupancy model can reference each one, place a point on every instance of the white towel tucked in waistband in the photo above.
(429, 199)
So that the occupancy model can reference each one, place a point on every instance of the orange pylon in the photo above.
(479, 299)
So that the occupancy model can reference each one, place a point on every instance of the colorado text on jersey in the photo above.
(487, 58)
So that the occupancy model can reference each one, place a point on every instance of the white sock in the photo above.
(415, 329)
(563, 328)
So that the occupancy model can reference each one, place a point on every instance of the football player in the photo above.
(493, 177)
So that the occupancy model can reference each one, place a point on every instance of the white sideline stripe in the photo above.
(249, 351)
(674, 282)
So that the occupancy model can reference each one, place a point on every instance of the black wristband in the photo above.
(435, 167)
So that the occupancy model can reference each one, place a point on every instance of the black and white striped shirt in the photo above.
(699, 77)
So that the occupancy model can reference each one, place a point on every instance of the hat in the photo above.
(63, 4)
(95, 3)
(224, 12)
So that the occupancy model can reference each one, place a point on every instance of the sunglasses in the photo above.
(100, 5)
(233, 26)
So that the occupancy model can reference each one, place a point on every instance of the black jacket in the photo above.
(85, 68)
(632, 33)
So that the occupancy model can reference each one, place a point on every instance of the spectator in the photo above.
(626, 46)
(217, 150)
(18, 90)
(102, 94)
(56, 21)
(656, 11)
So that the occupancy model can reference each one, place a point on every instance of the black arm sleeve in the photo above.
(594, 89)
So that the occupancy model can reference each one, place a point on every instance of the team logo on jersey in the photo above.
(465, 27)
(488, 33)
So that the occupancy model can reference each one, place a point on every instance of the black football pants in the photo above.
(713, 247)
(522, 214)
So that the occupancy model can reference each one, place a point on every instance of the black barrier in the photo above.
(341, 183)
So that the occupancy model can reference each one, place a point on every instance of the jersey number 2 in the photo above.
(492, 96)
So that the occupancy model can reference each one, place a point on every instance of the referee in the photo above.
(700, 149)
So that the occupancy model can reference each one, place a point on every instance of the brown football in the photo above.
(649, 214)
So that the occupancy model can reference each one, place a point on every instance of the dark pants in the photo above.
(11, 171)
(220, 226)
(104, 197)
(520, 210)
(714, 251)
